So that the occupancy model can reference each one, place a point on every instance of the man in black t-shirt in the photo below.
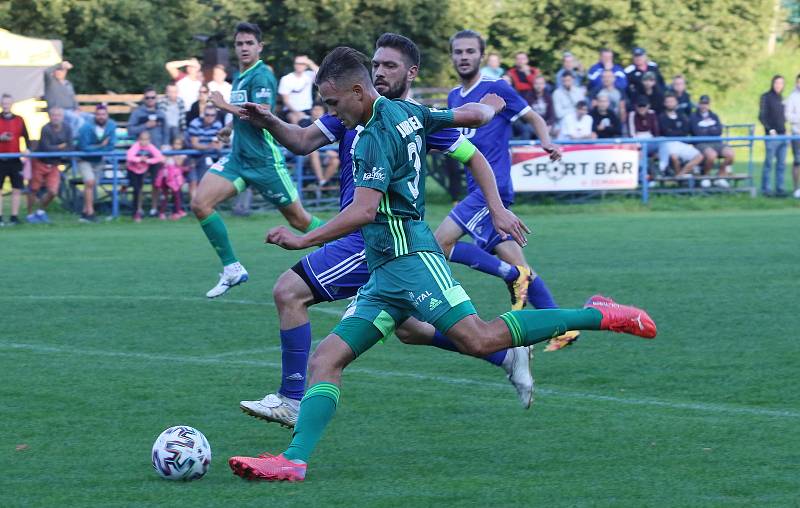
(673, 123)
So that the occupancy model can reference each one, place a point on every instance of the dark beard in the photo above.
(395, 92)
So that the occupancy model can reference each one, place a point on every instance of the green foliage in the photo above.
(709, 41)
(123, 44)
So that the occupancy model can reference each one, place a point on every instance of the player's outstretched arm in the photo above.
(504, 220)
(476, 114)
(357, 214)
(218, 100)
(298, 140)
(542, 131)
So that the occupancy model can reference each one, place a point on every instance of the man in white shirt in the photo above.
(567, 96)
(218, 83)
(578, 125)
(188, 81)
(296, 88)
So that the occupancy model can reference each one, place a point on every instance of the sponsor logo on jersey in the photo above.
(238, 96)
(263, 93)
(219, 166)
(418, 299)
(434, 303)
(375, 174)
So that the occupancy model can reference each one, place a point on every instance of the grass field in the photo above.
(107, 339)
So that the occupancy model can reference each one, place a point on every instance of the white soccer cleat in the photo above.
(273, 408)
(232, 275)
(517, 365)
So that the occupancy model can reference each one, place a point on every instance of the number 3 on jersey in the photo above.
(413, 157)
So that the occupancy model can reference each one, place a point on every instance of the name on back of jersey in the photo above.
(406, 127)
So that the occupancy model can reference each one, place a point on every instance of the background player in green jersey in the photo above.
(255, 160)
(408, 273)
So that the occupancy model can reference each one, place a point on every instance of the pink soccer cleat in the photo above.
(273, 468)
(622, 318)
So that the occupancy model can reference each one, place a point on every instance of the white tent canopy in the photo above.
(23, 61)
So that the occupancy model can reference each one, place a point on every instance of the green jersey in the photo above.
(389, 156)
(252, 146)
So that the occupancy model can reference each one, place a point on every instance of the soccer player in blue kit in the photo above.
(338, 269)
(491, 253)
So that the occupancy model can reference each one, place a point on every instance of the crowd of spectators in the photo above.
(182, 117)
(612, 101)
(605, 101)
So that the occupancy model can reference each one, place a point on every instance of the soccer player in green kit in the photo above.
(255, 160)
(409, 276)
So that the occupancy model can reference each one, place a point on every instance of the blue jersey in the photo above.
(445, 140)
(492, 139)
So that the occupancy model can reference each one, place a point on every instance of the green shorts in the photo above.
(272, 182)
(416, 285)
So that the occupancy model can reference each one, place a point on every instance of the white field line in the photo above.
(727, 409)
(332, 310)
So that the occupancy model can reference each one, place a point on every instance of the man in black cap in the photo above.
(635, 71)
(705, 122)
(652, 90)
(643, 123)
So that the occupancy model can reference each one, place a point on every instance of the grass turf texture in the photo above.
(107, 340)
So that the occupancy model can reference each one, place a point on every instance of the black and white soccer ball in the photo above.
(181, 453)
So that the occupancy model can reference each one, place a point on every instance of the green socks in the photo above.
(528, 327)
(316, 410)
(314, 224)
(217, 235)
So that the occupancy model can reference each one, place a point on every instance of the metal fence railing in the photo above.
(746, 142)
(115, 177)
(316, 199)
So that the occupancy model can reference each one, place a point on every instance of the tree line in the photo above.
(122, 45)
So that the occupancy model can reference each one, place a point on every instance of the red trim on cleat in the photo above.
(268, 467)
(622, 318)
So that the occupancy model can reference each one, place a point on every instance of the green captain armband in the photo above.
(464, 152)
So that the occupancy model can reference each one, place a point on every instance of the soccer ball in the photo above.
(181, 453)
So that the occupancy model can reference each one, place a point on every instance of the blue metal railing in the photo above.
(114, 157)
(645, 142)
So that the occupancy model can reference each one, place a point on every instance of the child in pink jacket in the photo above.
(170, 180)
(141, 157)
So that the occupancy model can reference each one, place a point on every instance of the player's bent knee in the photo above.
(290, 290)
(201, 207)
(471, 336)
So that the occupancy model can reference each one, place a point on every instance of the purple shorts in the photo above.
(472, 215)
(337, 269)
